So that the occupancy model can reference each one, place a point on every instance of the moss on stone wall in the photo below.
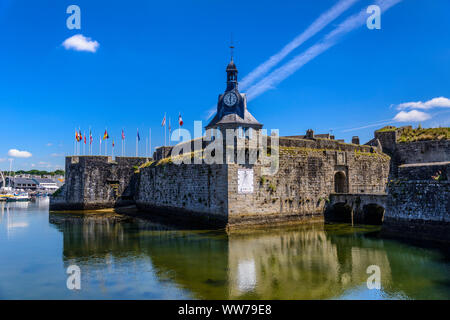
(371, 155)
(387, 129)
(421, 134)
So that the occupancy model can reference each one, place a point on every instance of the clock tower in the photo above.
(232, 110)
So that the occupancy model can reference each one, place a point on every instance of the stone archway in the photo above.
(339, 212)
(373, 214)
(340, 182)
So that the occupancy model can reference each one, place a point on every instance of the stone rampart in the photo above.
(95, 182)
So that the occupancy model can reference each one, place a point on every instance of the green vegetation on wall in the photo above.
(421, 134)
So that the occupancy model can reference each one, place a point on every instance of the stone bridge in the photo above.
(356, 208)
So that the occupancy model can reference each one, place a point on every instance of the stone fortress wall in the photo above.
(96, 182)
(309, 170)
(418, 204)
(187, 193)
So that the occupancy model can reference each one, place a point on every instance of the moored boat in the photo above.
(23, 196)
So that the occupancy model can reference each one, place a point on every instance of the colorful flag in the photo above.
(138, 137)
(105, 136)
(123, 135)
(169, 127)
(90, 137)
(76, 135)
(80, 136)
(164, 121)
(180, 120)
(84, 139)
(113, 143)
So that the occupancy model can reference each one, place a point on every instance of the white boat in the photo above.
(23, 196)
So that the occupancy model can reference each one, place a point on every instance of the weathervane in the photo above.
(231, 46)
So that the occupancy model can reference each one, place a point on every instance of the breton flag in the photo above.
(123, 135)
(180, 120)
(164, 121)
(105, 135)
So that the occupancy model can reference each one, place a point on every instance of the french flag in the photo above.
(180, 120)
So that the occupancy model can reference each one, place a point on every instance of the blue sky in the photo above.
(157, 57)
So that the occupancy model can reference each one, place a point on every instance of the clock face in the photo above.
(230, 99)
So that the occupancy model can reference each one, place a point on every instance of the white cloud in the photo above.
(440, 102)
(49, 144)
(2, 159)
(19, 154)
(79, 42)
(57, 154)
(411, 116)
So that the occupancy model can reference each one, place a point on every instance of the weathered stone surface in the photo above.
(185, 191)
(418, 209)
(95, 182)
(298, 191)
(418, 194)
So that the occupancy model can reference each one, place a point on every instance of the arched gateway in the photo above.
(340, 182)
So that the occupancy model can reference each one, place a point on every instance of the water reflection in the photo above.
(308, 262)
(10, 220)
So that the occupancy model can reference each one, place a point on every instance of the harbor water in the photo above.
(140, 259)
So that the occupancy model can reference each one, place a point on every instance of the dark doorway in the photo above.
(373, 214)
(340, 182)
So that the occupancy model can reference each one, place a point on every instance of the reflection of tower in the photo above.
(246, 275)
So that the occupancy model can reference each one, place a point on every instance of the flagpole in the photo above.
(150, 142)
(106, 143)
(90, 143)
(165, 129)
(146, 147)
(137, 143)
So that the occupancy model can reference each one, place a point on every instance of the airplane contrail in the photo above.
(321, 22)
(351, 23)
(314, 28)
